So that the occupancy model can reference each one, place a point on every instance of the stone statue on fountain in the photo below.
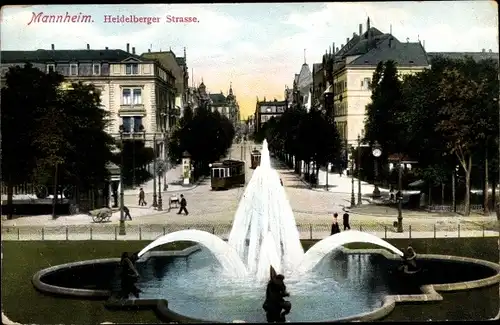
(410, 265)
(275, 306)
(129, 275)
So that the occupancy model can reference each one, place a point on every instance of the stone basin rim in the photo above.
(429, 291)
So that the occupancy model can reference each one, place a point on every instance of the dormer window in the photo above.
(96, 69)
(131, 68)
(73, 69)
(51, 68)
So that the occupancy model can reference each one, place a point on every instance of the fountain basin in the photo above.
(94, 279)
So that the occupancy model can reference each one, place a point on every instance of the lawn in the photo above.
(22, 303)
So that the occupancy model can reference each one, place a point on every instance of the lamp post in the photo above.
(359, 169)
(401, 163)
(155, 204)
(159, 171)
(376, 152)
(353, 199)
(122, 204)
(165, 159)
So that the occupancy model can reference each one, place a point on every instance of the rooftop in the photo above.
(43, 56)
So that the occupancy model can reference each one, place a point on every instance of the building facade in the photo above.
(138, 93)
(226, 105)
(179, 69)
(265, 110)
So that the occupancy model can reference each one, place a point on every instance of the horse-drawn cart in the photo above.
(100, 215)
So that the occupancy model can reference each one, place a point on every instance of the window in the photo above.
(268, 109)
(365, 83)
(127, 97)
(215, 173)
(137, 97)
(96, 69)
(132, 96)
(132, 124)
(73, 69)
(51, 68)
(132, 68)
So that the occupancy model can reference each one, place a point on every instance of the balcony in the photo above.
(134, 134)
(136, 109)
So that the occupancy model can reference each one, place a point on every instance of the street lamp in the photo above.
(359, 169)
(122, 204)
(401, 164)
(160, 168)
(376, 152)
(154, 169)
(353, 199)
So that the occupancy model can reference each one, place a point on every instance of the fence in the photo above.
(306, 231)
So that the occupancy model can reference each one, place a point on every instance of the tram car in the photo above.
(227, 174)
(255, 158)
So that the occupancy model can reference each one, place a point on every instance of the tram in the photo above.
(255, 158)
(227, 174)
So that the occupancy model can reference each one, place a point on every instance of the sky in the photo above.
(256, 47)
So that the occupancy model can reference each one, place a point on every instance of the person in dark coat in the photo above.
(142, 202)
(335, 225)
(347, 226)
(183, 205)
(126, 212)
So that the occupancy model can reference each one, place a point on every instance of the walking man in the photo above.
(141, 197)
(127, 213)
(335, 225)
(183, 205)
(346, 221)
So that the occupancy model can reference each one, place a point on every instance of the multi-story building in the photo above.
(265, 110)
(138, 93)
(178, 67)
(226, 105)
(352, 67)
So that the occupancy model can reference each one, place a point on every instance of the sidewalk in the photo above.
(174, 181)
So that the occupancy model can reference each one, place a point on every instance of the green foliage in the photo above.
(386, 102)
(308, 136)
(44, 126)
(135, 157)
(206, 136)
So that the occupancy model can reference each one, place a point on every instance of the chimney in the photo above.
(423, 44)
(106, 48)
(336, 50)
(333, 48)
(346, 40)
(341, 46)
(133, 50)
(88, 46)
(483, 50)
(353, 34)
(52, 47)
(128, 47)
(489, 50)
(360, 29)
(149, 50)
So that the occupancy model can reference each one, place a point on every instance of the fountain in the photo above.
(265, 219)
(226, 280)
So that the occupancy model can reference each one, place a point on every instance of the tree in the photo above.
(465, 113)
(206, 137)
(28, 92)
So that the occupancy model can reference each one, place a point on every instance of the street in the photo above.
(214, 211)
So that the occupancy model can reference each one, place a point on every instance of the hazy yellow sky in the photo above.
(257, 47)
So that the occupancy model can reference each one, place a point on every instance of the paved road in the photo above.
(218, 208)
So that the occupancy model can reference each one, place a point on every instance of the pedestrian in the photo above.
(141, 198)
(335, 225)
(127, 213)
(183, 205)
(391, 194)
(281, 182)
(346, 221)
